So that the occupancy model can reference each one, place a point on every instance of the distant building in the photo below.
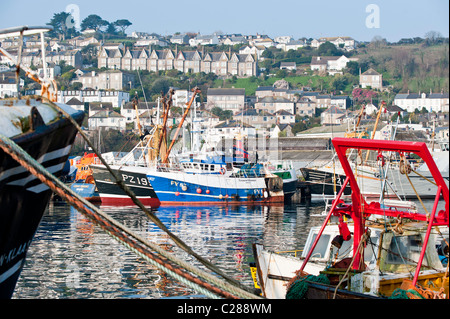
(432, 102)
(284, 117)
(108, 120)
(259, 119)
(219, 63)
(76, 104)
(273, 104)
(180, 39)
(230, 129)
(346, 43)
(253, 50)
(292, 45)
(128, 110)
(8, 85)
(371, 78)
(107, 80)
(288, 66)
(203, 40)
(285, 129)
(305, 106)
(330, 64)
(332, 116)
(226, 99)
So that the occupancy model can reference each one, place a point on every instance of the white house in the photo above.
(107, 119)
(273, 104)
(234, 40)
(264, 41)
(204, 40)
(180, 39)
(292, 45)
(346, 43)
(8, 86)
(229, 129)
(288, 66)
(330, 64)
(253, 50)
(116, 98)
(432, 102)
(284, 117)
(284, 39)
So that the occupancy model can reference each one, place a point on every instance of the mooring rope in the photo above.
(117, 231)
(149, 213)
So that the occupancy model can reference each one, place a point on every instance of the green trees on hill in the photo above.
(64, 28)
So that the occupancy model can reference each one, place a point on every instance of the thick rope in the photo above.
(149, 213)
(116, 229)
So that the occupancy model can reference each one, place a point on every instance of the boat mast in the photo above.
(166, 108)
(383, 104)
(196, 90)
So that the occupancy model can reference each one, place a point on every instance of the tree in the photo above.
(328, 49)
(362, 96)
(93, 21)
(378, 42)
(122, 24)
(59, 24)
(161, 85)
(111, 29)
(353, 67)
(222, 114)
(432, 37)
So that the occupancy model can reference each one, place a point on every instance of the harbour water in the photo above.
(71, 258)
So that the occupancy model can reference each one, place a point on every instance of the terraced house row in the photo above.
(219, 63)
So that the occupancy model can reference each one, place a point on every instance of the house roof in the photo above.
(274, 99)
(141, 105)
(94, 106)
(282, 127)
(74, 101)
(232, 123)
(317, 60)
(212, 91)
(334, 110)
(394, 108)
(271, 88)
(253, 112)
(283, 112)
(370, 72)
(419, 95)
(287, 64)
(106, 114)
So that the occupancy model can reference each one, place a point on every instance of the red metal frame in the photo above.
(359, 209)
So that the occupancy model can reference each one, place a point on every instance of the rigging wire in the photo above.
(165, 261)
(152, 216)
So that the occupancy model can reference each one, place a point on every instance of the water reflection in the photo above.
(72, 258)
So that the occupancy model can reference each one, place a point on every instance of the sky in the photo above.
(359, 19)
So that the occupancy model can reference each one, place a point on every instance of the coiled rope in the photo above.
(123, 234)
(299, 288)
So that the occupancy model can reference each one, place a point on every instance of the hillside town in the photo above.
(104, 75)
